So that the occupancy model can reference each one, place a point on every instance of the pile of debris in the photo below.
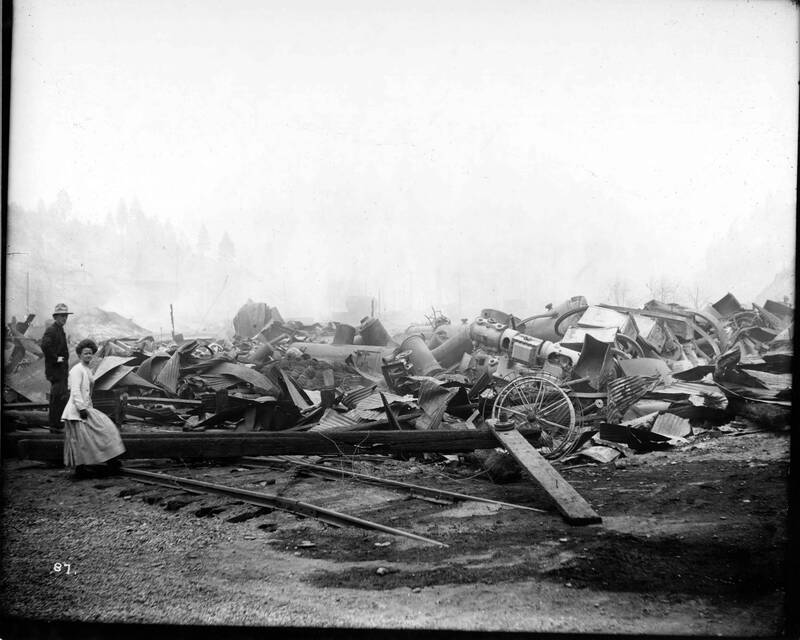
(579, 376)
(578, 383)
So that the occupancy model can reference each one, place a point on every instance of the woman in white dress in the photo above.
(90, 436)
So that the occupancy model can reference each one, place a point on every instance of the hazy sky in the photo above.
(512, 149)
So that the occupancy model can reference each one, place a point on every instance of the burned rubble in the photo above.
(582, 383)
(539, 445)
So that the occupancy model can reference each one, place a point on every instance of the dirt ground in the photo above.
(693, 541)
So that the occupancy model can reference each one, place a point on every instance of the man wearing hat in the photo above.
(56, 363)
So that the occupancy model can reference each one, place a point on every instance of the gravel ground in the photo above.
(693, 541)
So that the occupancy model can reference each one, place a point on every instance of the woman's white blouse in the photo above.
(80, 384)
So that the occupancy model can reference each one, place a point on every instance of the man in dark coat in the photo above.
(56, 364)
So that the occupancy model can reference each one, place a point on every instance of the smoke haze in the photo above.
(461, 155)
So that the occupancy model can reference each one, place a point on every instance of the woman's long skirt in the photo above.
(91, 441)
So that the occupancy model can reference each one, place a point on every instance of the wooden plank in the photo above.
(25, 405)
(159, 400)
(28, 418)
(568, 501)
(389, 413)
(234, 445)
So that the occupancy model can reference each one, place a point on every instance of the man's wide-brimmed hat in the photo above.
(62, 310)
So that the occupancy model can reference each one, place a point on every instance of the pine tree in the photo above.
(226, 248)
(202, 241)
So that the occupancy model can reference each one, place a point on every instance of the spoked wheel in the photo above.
(538, 401)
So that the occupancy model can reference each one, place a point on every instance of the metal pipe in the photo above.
(453, 349)
(345, 334)
(430, 491)
(373, 333)
(421, 358)
(270, 500)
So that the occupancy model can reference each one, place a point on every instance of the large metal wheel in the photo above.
(538, 401)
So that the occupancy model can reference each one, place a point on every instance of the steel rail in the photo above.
(414, 488)
(270, 500)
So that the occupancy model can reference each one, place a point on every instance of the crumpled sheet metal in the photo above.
(115, 348)
(215, 382)
(671, 426)
(350, 399)
(595, 362)
(373, 401)
(111, 378)
(29, 381)
(623, 392)
(252, 317)
(601, 317)
(739, 381)
(245, 374)
(296, 393)
(598, 453)
(574, 336)
(170, 372)
(433, 399)
(365, 415)
(133, 380)
(651, 331)
(770, 319)
(644, 407)
(151, 367)
(686, 390)
(332, 420)
(26, 343)
(646, 367)
(727, 305)
(640, 440)
(780, 310)
(123, 376)
(108, 364)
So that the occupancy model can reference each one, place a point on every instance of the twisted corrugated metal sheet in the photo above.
(623, 392)
(333, 421)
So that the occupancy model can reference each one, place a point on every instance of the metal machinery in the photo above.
(527, 383)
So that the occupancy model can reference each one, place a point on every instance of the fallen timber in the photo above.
(361, 426)
(160, 400)
(572, 506)
(413, 489)
(270, 500)
(50, 447)
(26, 405)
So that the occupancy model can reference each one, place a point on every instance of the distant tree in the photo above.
(226, 248)
(202, 240)
(618, 291)
(122, 213)
(663, 289)
(696, 296)
(63, 205)
(135, 212)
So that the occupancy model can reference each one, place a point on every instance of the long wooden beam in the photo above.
(569, 502)
(155, 400)
(25, 405)
(235, 445)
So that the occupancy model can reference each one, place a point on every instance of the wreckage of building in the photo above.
(581, 383)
